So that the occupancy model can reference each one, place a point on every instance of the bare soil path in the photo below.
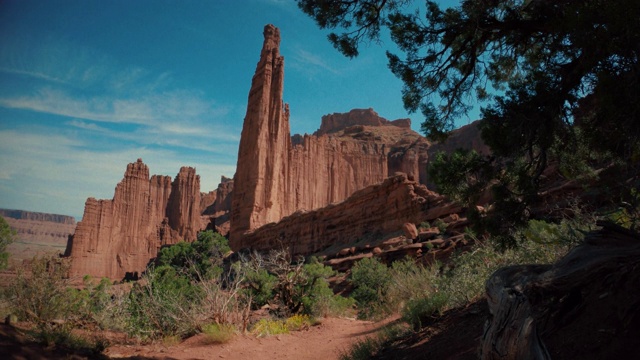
(324, 341)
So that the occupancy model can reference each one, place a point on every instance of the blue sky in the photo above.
(88, 86)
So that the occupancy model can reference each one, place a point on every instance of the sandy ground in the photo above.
(324, 341)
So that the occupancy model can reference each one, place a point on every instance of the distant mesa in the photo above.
(37, 234)
(37, 216)
(337, 121)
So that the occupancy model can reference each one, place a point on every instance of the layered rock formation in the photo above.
(260, 181)
(278, 175)
(37, 216)
(37, 233)
(335, 122)
(217, 213)
(371, 212)
(118, 237)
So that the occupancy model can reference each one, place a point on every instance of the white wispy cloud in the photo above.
(112, 114)
(53, 172)
(303, 59)
(32, 74)
(86, 125)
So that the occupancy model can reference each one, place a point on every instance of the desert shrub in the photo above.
(410, 280)
(313, 291)
(90, 303)
(224, 301)
(419, 311)
(186, 289)
(218, 333)
(292, 286)
(463, 279)
(298, 322)
(268, 327)
(371, 280)
(362, 349)
(7, 236)
(163, 304)
(368, 347)
(260, 285)
(199, 260)
(441, 225)
(41, 295)
(322, 302)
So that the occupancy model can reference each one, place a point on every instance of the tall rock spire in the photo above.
(264, 145)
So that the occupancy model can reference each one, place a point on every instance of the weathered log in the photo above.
(533, 306)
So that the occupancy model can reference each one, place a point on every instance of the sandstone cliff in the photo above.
(260, 180)
(119, 236)
(337, 121)
(278, 175)
(216, 215)
(369, 213)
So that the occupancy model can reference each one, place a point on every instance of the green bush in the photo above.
(91, 303)
(163, 303)
(7, 236)
(368, 347)
(199, 260)
(42, 296)
(362, 349)
(421, 310)
(260, 286)
(441, 225)
(371, 280)
(293, 287)
(313, 291)
(410, 280)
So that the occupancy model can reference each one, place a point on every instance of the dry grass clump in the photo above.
(218, 333)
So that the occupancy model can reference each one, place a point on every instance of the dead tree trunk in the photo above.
(596, 285)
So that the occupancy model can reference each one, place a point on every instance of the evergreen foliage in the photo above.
(7, 236)
(559, 81)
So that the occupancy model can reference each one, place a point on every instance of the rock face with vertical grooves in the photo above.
(260, 180)
(118, 237)
(217, 213)
(278, 174)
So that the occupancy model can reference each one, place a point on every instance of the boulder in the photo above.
(410, 230)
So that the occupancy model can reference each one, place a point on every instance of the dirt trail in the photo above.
(324, 341)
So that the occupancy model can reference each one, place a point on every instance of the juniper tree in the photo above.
(559, 79)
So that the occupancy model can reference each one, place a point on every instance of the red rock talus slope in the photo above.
(373, 211)
(120, 236)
